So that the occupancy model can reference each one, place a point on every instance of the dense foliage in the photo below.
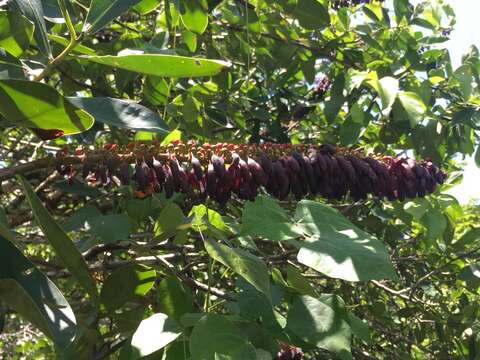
(94, 271)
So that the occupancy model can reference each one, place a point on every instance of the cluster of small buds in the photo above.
(223, 170)
(288, 352)
(337, 4)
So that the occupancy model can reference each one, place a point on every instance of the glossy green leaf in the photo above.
(146, 6)
(194, 15)
(121, 113)
(101, 12)
(215, 337)
(413, 105)
(36, 105)
(10, 67)
(61, 243)
(156, 90)
(339, 249)
(321, 322)
(190, 40)
(33, 10)
(312, 14)
(27, 290)
(125, 283)
(153, 334)
(172, 136)
(174, 298)
(245, 264)
(53, 14)
(265, 218)
(163, 65)
(16, 32)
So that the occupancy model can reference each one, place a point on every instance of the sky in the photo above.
(466, 32)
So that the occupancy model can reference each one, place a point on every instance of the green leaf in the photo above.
(169, 219)
(146, 6)
(247, 265)
(194, 15)
(125, 283)
(121, 113)
(16, 32)
(203, 216)
(351, 129)
(101, 12)
(153, 334)
(52, 11)
(387, 89)
(33, 10)
(190, 40)
(471, 275)
(417, 207)
(265, 218)
(172, 136)
(61, 243)
(77, 188)
(111, 228)
(435, 223)
(477, 156)
(214, 336)
(80, 220)
(359, 328)
(36, 105)
(81, 49)
(156, 90)
(297, 281)
(10, 67)
(173, 298)
(413, 106)
(321, 322)
(312, 14)
(163, 65)
(339, 249)
(27, 290)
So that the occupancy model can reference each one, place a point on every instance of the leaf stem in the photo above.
(74, 41)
